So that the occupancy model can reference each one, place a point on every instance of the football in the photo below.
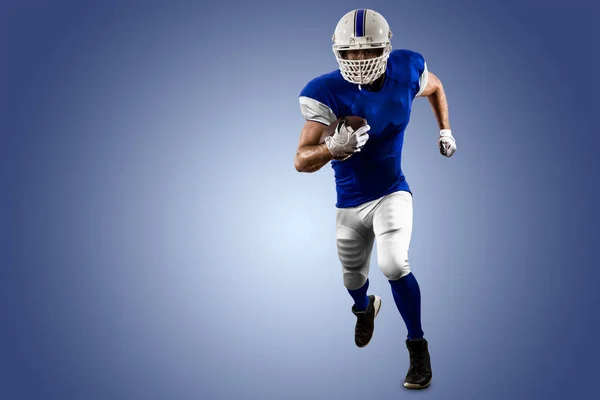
(352, 121)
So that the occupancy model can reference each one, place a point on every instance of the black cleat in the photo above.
(419, 372)
(365, 321)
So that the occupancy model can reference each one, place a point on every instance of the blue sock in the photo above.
(407, 296)
(361, 301)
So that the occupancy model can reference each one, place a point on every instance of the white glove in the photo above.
(446, 143)
(345, 141)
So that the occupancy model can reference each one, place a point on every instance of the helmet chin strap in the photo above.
(361, 78)
(379, 82)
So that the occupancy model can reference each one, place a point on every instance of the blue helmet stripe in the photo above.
(360, 22)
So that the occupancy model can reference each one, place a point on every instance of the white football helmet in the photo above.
(359, 30)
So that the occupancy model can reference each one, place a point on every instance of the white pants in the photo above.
(388, 220)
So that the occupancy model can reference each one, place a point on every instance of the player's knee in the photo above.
(394, 265)
(352, 253)
(354, 279)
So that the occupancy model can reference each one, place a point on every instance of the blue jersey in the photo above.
(376, 170)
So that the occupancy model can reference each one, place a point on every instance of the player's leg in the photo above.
(354, 242)
(392, 224)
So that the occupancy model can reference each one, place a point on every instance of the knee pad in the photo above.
(354, 256)
(394, 264)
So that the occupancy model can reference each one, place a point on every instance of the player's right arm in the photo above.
(318, 108)
(312, 156)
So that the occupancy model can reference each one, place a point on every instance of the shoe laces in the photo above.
(362, 327)
(418, 362)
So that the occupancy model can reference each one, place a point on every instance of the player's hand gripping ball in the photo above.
(346, 136)
(446, 143)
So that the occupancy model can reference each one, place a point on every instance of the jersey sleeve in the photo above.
(419, 73)
(317, 103)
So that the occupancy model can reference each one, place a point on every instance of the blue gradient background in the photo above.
(160, 245)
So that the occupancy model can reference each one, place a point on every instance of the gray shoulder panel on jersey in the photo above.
(423, 79)
(314, 110)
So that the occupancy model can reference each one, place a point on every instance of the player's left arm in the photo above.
(434, 91)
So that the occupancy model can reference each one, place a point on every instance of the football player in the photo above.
(374, 201)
